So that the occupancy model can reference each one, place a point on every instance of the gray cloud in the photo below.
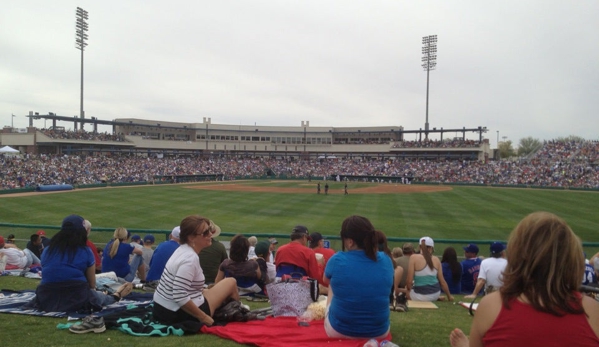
(521, 68)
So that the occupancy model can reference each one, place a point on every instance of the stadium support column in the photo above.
(80, 38)
(429, 62)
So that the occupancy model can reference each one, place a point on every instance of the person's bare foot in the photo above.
(457, 338)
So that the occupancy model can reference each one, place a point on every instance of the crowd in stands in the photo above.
(455, 143)
(81, 135)
(556, 164)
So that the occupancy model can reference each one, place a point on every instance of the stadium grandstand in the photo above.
(152, 138)
(148, 151)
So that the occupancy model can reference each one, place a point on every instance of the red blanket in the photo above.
(281, 331)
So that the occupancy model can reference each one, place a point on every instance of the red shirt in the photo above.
(95, 252)
(523, 326)
(327, 253)
(299, 255)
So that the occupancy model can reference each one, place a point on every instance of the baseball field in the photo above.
(452, 215)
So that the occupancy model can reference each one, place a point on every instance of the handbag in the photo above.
(292, 296)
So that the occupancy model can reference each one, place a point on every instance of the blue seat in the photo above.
(290, 269)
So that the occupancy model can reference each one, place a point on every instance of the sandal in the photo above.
(123, 291)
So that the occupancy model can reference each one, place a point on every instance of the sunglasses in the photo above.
(205, 232)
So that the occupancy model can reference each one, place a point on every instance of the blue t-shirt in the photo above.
(589, 275)
(470, 270)
(454, 287)
(361, 287)
(161, 255)
(59, 268)
(120, 263)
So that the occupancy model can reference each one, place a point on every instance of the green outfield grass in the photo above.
(474, 213)
(463, 213)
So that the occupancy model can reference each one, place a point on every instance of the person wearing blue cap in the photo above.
(69, 280)
(470, 268)
(491, 271)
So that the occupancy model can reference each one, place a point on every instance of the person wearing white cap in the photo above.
(425, 275)
(161, 255)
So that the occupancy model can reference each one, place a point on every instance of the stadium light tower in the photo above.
(429, 62)
(80, 43)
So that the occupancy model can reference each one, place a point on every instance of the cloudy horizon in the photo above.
(518, 68)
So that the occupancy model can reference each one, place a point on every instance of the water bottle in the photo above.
(387, 343)
(371, 343)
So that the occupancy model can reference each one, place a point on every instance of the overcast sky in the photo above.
(520, 68)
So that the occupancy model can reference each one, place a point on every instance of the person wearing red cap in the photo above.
(45, 240)
(296, 257)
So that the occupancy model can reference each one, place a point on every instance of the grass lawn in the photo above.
(459, 215)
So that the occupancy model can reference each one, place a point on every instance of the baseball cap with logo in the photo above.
(149, 238)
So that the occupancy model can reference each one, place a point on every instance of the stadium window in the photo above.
(256, 138)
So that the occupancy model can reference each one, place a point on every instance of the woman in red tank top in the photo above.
(539, 303)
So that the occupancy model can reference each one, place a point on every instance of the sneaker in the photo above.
(89, 324)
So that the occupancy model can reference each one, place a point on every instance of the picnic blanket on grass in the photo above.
(14, 302)
(281, 331)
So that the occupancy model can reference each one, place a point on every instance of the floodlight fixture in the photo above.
(81, 37)
(429, 62)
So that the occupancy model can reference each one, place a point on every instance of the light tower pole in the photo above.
(80, 38)
(429, 62)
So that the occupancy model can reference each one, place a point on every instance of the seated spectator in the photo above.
(45, 240)
(161, 255)
(470, 268)
(322, 256)
(246, 272)
(403, 262)
(147, 250)
(397, 270)
(396, 253)
(270, 264)
(136, 241)
(92, 246)
(181, 295)
(263, 255)
(295, 257)
(425, 274)
(15, 258)
(360, 278)
(211, 257)
(251, 252)
(490, 277)
(539, 303)
(589, 278)
(69, 280)
(117, 258)
(452, 270)
(35, 241)
(10, 238)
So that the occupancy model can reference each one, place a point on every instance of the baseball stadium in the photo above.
(263, 180)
